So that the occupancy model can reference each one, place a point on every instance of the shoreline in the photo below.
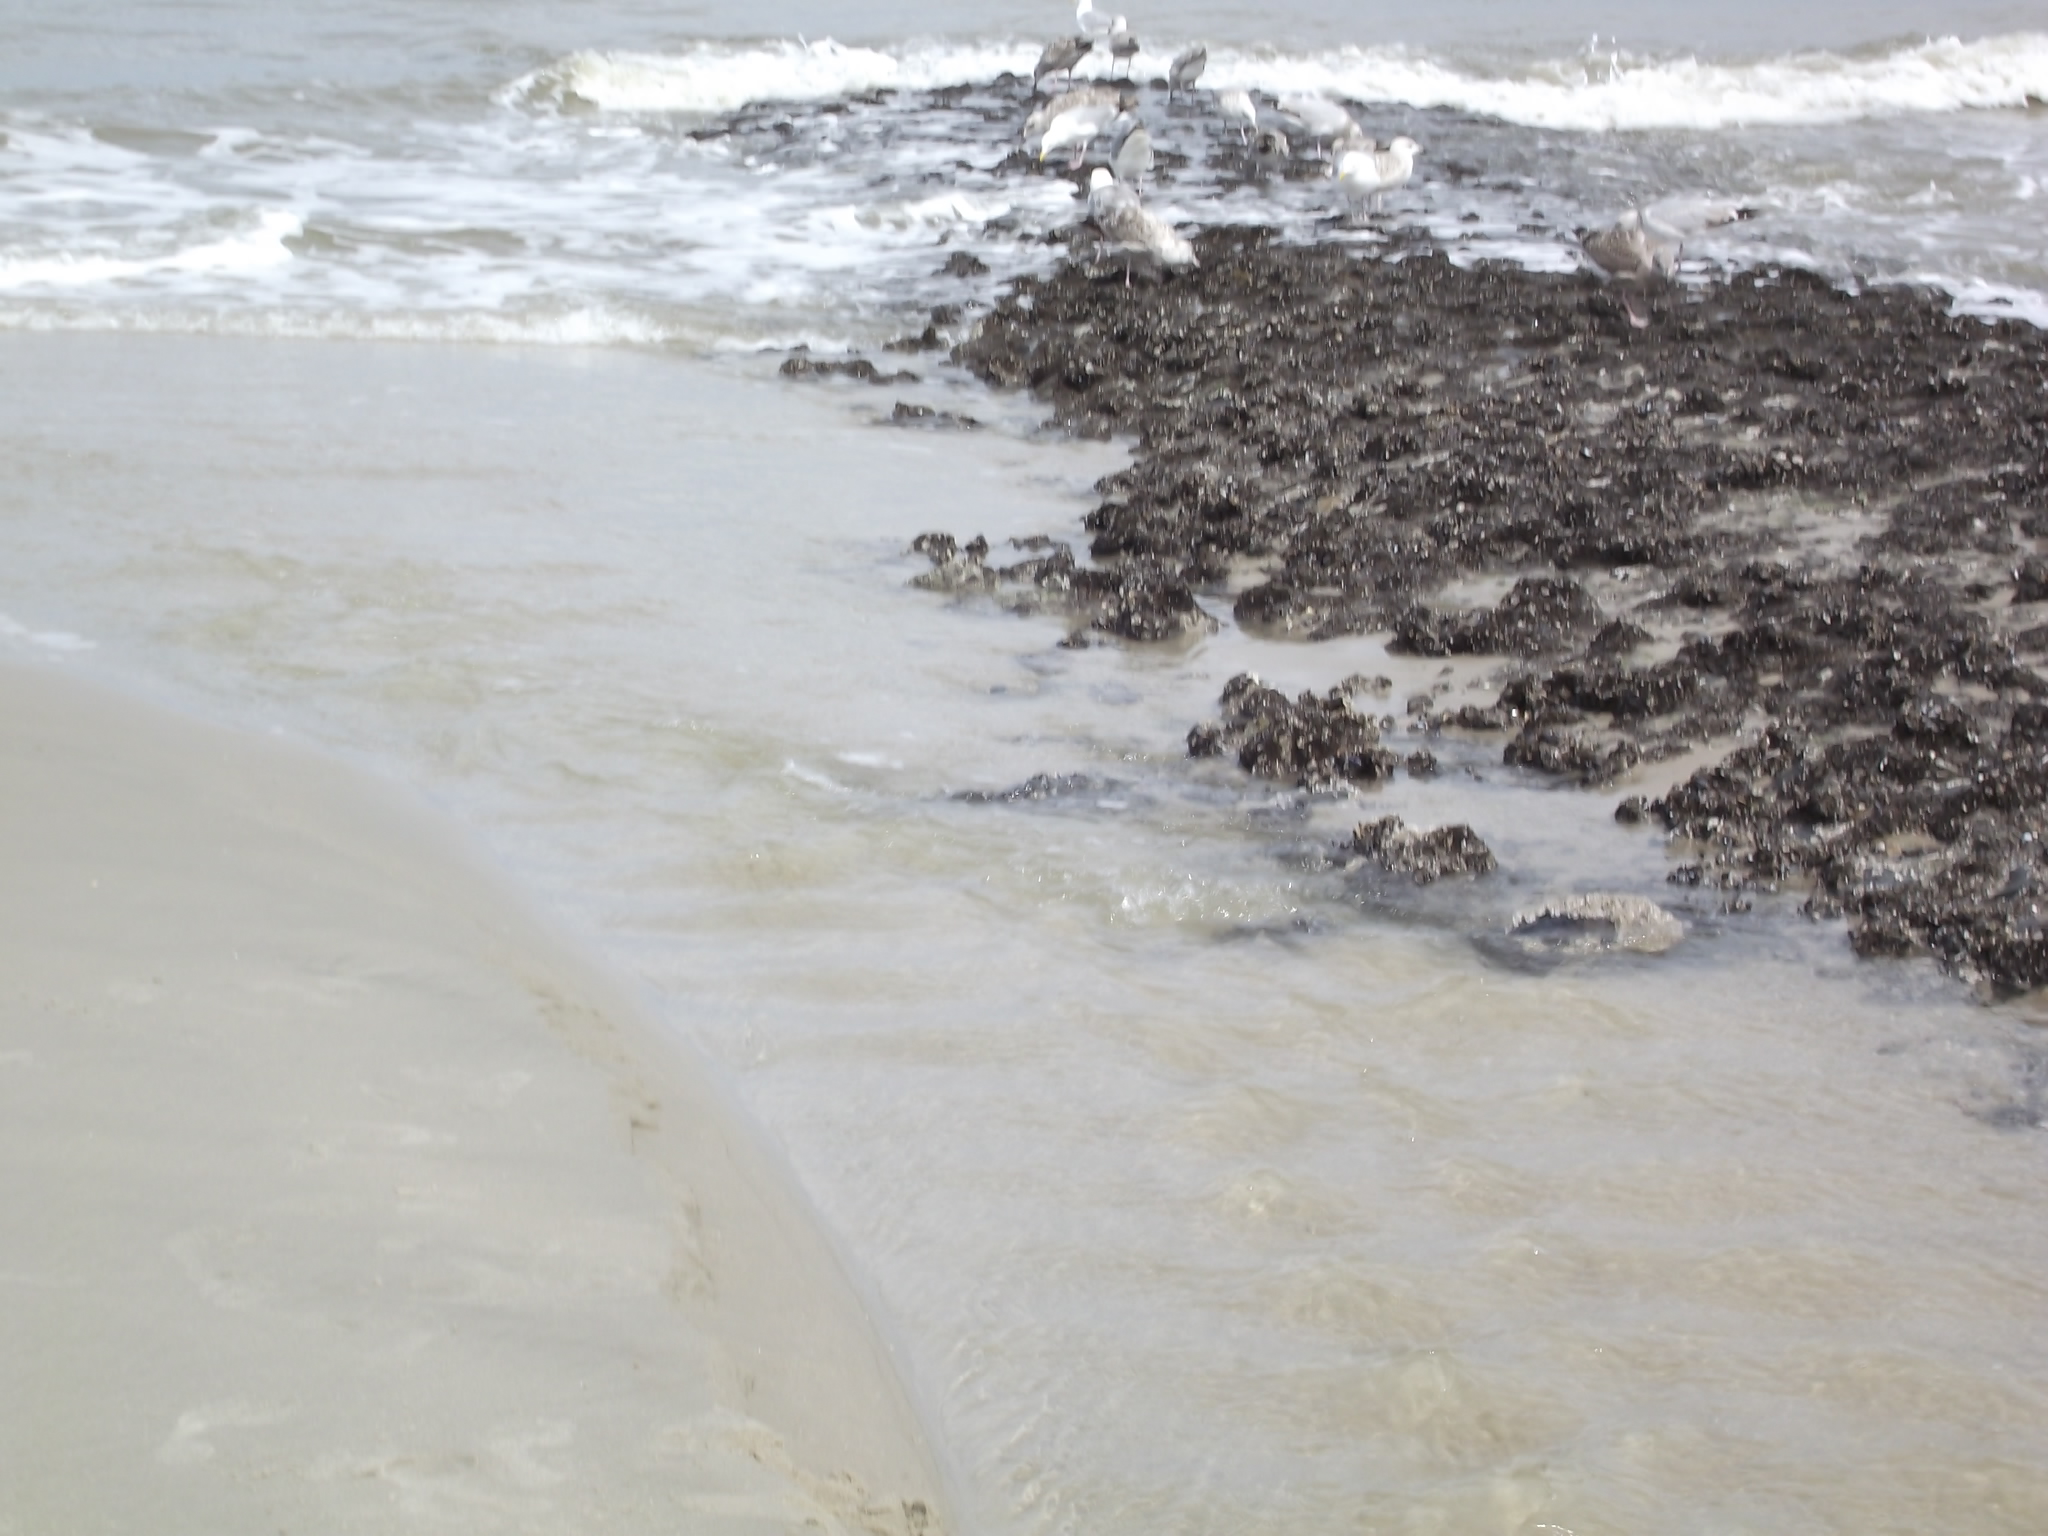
(1794, 528)
(344, 1187)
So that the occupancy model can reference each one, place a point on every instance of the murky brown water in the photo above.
(1208, 1193)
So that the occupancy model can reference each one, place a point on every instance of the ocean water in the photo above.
(403, 378)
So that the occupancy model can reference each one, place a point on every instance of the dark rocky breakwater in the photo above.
(1794, 530)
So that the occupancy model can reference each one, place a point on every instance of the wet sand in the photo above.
(342, 1194)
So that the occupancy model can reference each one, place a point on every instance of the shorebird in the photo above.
(1631, 251)
(1238, 107)
(1348, 138)
(1186, 68)
(1075, 129)
(1131, 158)
(1093, 23)
(1371, 173)
(1320, 118)
(1122, 45)
(1270, 149)
(1080, 96)
(1132, 229)
(1061, 55)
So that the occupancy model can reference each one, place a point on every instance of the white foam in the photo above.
(717, 77)
(47, 639)
(252, 250)
(1611, 91)
(1620, 91)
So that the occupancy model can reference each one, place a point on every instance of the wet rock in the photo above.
(1423, 855)
(1596, 921)
(908, 415)
(964, 264)
(1041, 786)
(801, 367)
(927, 340)
(1822, 498)
(1540, 614)
(1311, 742)
(1134, 599)
(1422, 764)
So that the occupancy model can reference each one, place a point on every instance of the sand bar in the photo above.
(340, 1194)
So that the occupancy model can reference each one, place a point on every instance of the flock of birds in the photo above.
(1641, 246)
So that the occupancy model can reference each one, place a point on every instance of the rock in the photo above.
(908, 415)
(1344, 425)
(1597, 921)
(1424, 855)
(1040, 786)
(1311, 743)
(851, 368)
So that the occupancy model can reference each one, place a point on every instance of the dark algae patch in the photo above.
(1798, 531)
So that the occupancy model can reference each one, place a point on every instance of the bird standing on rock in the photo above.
(1239, 108)
(1186, 68)
(1320, 118)
(1061, 54)
(1131, 159)
(1371, 173)
(1075, 129)
(1632, 251)
(1122, 46)
(1080, 96)
(1133, 230)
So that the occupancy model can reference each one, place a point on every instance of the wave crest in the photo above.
(1615, 92)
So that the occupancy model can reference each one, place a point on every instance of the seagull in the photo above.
(1186, 68)
(1350, 137)
(1076, 127)
(1364, 173)
(1132, 229)
(1121, 44)
(1270, 148)
(1061, 54)
(1091, 21)
(1238, 107)
(1320, 118)
(1632, 251)
(1132, 157)
(1067, 101)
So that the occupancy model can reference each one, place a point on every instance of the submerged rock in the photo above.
(1596, 921)
(1040, 786)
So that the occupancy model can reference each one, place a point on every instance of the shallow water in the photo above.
(1207, 1191)
(1209, 1187)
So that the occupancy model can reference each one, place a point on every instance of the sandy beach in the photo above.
(342, 1195)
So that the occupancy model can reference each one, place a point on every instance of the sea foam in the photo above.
(1591, 93)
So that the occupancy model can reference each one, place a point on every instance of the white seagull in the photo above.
(1371, 173)
(1239, 108)
(1121, 44)
(1075, 129)
(1131, 159)
(1186, 68)
(1080, 96)
(1091, 21)
(1132, 229)
(1320, 118)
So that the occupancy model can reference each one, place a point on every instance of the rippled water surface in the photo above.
(1207, 1189)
